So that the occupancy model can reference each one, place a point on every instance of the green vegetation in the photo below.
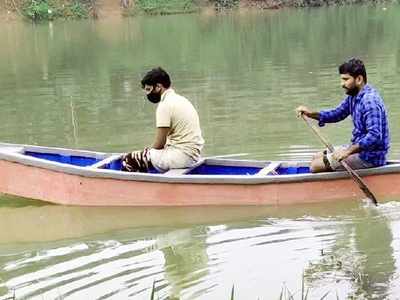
(285, 294)
(42, 10)
(162, 7)
(39, 10)
(226, 4)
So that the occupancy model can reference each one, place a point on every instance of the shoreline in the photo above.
(112, 9)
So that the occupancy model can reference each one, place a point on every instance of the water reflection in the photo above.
(361, 259)
(186, 261)
(198, 253)
(373, 239)
(60, 223)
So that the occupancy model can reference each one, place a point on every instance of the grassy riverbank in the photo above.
(39, 10)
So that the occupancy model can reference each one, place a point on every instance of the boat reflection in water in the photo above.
(196, 252)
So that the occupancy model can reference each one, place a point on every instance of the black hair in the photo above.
(156, 75)
(354, 67)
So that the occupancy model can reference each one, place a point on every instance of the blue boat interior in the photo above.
(206, 169)
(292, 170)
(81, 161)
(115, 165)
(203, 169)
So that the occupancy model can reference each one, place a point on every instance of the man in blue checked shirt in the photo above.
(370, 141)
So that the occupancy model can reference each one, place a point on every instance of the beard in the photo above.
(351, 91)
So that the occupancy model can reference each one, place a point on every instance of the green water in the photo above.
(76, 85)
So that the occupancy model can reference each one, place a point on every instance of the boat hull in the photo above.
(71, 189)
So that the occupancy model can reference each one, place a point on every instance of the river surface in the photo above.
(77, 85)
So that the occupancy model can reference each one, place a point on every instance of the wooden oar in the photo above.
(352, 173)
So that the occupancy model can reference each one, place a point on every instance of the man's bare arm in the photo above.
(161, 137)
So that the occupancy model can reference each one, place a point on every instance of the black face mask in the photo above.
(154, 97)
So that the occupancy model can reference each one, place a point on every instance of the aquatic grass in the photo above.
(285, 293)
(13, 297)
(302, 288)
(74, 123)
(153, 291)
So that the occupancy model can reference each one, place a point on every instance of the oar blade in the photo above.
(360, 183)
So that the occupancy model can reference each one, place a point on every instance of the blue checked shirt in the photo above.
(371, 130)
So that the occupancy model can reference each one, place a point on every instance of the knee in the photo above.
(318, 155)
(313, 167)
(316, 166)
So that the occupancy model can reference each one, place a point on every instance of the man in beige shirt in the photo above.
(178, 142)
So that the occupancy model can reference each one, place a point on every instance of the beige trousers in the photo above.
(170, 158)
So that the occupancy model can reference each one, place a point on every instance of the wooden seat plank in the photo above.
(105, 161)
(269, 169)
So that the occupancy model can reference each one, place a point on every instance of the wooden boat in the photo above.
(87, 178)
